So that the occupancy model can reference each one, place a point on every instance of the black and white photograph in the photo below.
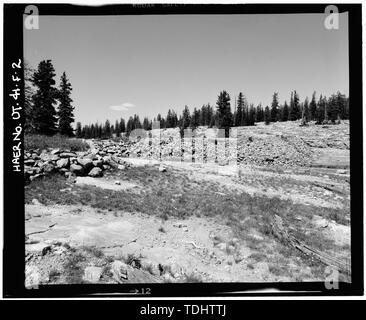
(208, 146)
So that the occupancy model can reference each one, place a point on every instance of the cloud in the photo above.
(122, 107)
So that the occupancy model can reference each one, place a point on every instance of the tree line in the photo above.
(48, 109)
(324, 110)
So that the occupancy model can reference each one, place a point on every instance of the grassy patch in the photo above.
(41, 142)
(96, 252)
(177, 195)
(192, 278)
(74, 269)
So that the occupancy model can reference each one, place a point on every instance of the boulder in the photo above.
(92, 274)
(86, 163)
(35, 156)
(90, 156)
(48, 168)
(162, 168)
(29, 162)
(36, 176)
(62, 163)
(44, 156)
(95, 172)
(119, 271)
(98, 163)
(39, 163)
(77, 169)
(68, 174)
(67, 154)
(36, 202)
(107, 160)
(56, 151)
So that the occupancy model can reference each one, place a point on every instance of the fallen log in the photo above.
(331, 188)
(281, 232)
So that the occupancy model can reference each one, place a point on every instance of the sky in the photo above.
(121, 65)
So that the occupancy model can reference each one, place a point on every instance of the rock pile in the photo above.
(259, 148)
(254, 149)
(92, 163)
(273, 150)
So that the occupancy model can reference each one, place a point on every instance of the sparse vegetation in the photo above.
(73, 268)
(133, 260)
(54, 275)
(42, 142)
(192, 278)
(98, 253)
(205, 198)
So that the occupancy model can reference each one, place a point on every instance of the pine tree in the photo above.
(29, 91)
(285, 112)
(291, 109)
(186, 118)
(312, 107)
(345, 113)
(274, 108)
(210, 116)
(305, 114)
(117, 129)
(267, 115)
(137, 122)
(203, 116)
(259, 114)
(44, 99)
(245, 113)
(146, 124)
(238, 119)
(130, 125)
(195, 118)
(93, 133)
(78, 130)
(342, 105)
(224, 115)
(122, 125)
(297, 109)
(65, 109)
(107, 133)
(295, 112)
(174, 119)
(335, 105)
(169, 119)
(321, 110)
(251, 115)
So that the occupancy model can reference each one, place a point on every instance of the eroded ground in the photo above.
(190, 223)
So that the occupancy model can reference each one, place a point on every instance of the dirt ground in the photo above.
(194, 222)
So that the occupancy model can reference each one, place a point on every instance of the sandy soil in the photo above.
(185, 245)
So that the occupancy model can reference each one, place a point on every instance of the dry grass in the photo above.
(41, 142)
(175, 195)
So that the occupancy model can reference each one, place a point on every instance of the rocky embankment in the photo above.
(249, 148)
(280, 144)
(90, 163)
